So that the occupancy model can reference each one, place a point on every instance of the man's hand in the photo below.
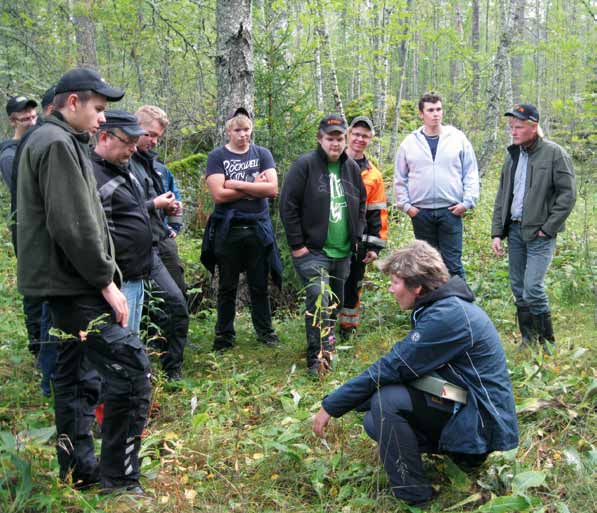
(174, 209)
(457, 209)
(541, 233)
(164, 200)
(117, 301)
(296, 253)
(370, 257)
(320, 421)
(412, 211)
(496, 246)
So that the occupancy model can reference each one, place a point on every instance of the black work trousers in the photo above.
(243, 251)
(98, 348)
(168, 250)
(169, 312)
(406, 423)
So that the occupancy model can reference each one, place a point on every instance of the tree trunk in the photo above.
(455, 62)
(319, 101)
(402, 62)
(328, 54)
(234, 59)
(475, 40)
(380, 91)
(399, 94)
(516, 60)
(500, 71)
(84, 34)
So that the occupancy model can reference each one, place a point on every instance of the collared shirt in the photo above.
(520, 178)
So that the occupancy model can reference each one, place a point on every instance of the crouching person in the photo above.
(454, 349)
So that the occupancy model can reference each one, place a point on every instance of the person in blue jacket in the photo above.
(456, 340)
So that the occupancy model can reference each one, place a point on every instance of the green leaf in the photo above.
(510, 504)
(526, 480)
(200, 419)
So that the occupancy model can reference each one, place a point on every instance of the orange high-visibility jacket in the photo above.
(376, 230)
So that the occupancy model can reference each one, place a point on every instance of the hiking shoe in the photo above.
(271, 339)
(122, 487)
(222, 344)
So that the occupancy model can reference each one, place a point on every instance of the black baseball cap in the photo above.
(126, 121)
(364, 120)
(332, 123)
(85, 79)
(524, 111)
(48, 97)
(19, 103)
(239, 111)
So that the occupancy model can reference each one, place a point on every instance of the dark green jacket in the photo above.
(65, 247)
(550, 191)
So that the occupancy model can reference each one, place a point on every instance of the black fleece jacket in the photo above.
(305, 200)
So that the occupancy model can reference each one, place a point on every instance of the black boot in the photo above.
(545, 328)
(526, 324)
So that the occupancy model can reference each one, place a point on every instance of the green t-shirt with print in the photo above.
(337, 244)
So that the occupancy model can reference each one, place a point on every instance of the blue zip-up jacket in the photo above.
(453, 177)
(455, 338)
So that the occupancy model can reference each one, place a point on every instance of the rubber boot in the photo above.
(545, 328)
(526, 324)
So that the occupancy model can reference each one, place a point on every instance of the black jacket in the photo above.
(305, 200)
(128, 220)
(143, 166)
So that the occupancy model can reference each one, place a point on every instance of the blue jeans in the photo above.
(528, 263)
(322, 277)
(443, 230)
(133, 291)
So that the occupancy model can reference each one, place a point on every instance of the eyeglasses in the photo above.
(358, 135)
(126, 142)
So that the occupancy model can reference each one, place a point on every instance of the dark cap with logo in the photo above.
(332, 123)
(19, 103)
(126, 121)
(524, 111)
(48, 97)
(85, 79)
(363, 120)
(241, 111)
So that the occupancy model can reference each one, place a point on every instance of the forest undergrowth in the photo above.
(235, 434)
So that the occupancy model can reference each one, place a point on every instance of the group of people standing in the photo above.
(96, 229)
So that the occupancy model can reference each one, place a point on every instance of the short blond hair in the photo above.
(149, 113)
(239, 119)
(419, 264)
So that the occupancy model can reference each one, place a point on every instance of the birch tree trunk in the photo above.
(399, 95)
(328, 55)
(516, 60)
(319, 100)
(84, 34)
(234, 59)
(403, 63)
(496, 84)
(381, 77)
(455, 62)
(475, 41)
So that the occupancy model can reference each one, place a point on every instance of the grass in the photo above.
(235, 434)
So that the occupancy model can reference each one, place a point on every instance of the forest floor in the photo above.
(235, 434)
